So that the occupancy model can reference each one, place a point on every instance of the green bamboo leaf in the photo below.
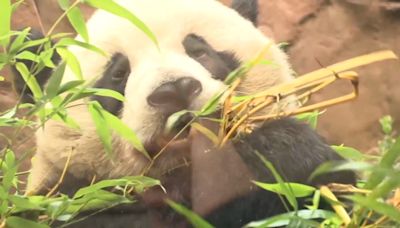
(100, 199)
(71, 61)
(283, 220)
(28, 56)
(386, 124)
(139, 182)
(10, 34)
(299, 190)
(315, 201)
(70, 85)
(286, 191)
(237, 73)
(55, 208)
(106, 93)
(70, 122)
(102, 129)
(114, 8)
(390, 183)
(55, 80)
(19, 40)
(64, 4)
(310, 117)
(32, 43)
(18, 222)
(348, 153)
(192, 217)
(44, 58)
(22, 203)
(69, 41)
(377, 206)
(124, 131)
(172, 119)
(77, 21)
(30, 80)
(387, 161)
(5, 21)
(9, 169)
(16, 4)
(337, 166)
(212, 105)
(100, 185)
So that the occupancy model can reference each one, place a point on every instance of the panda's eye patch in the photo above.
(219, 64)
(115, 77)
(118, 68)
(195, 46)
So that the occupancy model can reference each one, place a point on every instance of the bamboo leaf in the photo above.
(337, 166)
(124, 131)
(77, 21)
(206, 132)
(106, 93)
(69, 41)
(192, 217)
(387, 161)
(30, 80)
(380, 207)
(348, 153)
(19, 40)
(102, 129)
(114, 8)
(299, 190)
(70, 85)
(64, 4)
(286, 191)
(55, 80)
(18, 222)
(172, 119)
(212, 105)
(283, 220)
(5, 21)
(139, 182)
(71, 61)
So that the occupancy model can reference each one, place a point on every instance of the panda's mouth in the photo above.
(178, 134)
(181, 127)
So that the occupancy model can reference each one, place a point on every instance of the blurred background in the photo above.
(318, 33)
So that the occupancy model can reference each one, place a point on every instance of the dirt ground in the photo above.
(318, 31)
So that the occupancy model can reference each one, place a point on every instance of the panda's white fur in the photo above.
(172, 20)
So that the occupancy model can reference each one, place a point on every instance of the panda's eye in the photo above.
(199, 53)
(119, 68)
(120, 75)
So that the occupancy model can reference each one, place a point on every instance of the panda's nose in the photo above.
(175, 96)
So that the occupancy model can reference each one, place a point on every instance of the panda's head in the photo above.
(200, 43)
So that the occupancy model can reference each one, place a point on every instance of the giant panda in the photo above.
(200, 43)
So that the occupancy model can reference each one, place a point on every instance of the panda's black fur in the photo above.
(292, 147)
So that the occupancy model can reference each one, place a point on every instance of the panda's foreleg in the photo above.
(42, 176)
(294, 149)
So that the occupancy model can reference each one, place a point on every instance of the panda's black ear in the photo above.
(42, 75)
(247, 8)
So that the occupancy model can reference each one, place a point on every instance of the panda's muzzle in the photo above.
(175, 96)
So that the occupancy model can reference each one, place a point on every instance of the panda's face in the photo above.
(200, 43)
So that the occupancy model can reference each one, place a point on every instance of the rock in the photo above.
(335, 32)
